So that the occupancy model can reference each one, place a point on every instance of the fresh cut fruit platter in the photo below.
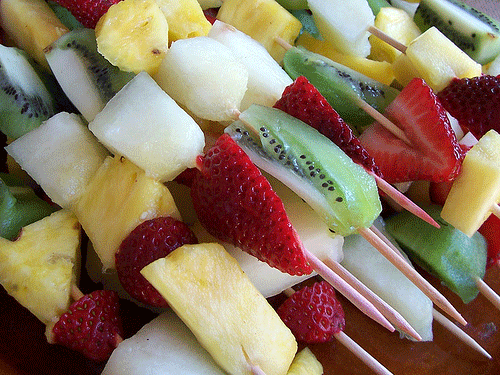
(277, 187)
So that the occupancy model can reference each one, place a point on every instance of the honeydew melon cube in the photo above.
(477, 187)
(61, 155)
(205, 77)
(266, 78)
(142, 123)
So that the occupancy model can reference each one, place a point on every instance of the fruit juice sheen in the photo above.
(24, 350)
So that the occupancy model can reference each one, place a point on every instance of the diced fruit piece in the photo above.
(474, 102)
(474, 32)
(236, 203)
(164, 345)
(19, 206)
(142, 123)
(377, 5)
(313, 313)
(264, 21)
(25, 102)
(185, 19)
(151, 240)
(305, 363)
(397, 24)
(87, 12)
(434, 154)
(32, 25)
(340, 85)
(231, 319)
(66, 17)
(438, 60)
(456, 259)
(293, 4)
(350, 37)
(477, 188)
(91, 326)
(133, 35)
(61, 155)
(343, 194)
(371, 268)
(204, 76)
(404, 70)
(39, 268)
(266, 79)
(303, 101)
(86, 77)
(490, 229)
(118, 198)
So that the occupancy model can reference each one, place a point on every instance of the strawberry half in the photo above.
(91, 326)
(434, 154)
(313, 313)
(149, 241)
(87, 12)
(303, 101)
(236, 204)
(490, 229)
(474, 102)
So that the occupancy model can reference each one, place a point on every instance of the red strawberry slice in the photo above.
(91, 326)
(474, 102)
(149, 241)
(313, 313)
(236, 204)
(434, 154)
(490, 229)
(303, 101)
(87, 12)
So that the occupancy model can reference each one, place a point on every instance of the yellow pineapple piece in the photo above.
(133, 35)
(39, 268)
(438, 60)
(399, 25)
(477, 187)
(185, 19)
(32, 25)
(118, 198)
(404, 70)
(206, 287)
(378, 70)
(263, 20)
(305, 363)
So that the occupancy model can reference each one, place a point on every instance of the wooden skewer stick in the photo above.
(417, 279)
(495, 210)
(388, 39)
(255, 369)
(489, 293)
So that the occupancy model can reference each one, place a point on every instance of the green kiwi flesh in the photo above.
(472, 31)
(456, 259)
(25, 102)
(340, 85)
(339, 190)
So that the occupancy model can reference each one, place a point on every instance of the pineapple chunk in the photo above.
(263, 20)
(39, 268)
(32, 25)
(185, 19)
(477, 187)
(438, 60)
(133, 35)
(206, 287)
(305, 363)
(117, 199)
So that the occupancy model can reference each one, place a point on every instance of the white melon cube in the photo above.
(61, 155)
(142, 123)
(205, 77)
(266, 78)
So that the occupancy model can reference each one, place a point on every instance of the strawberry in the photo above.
(474, 102)
(236, 204)
(150, 240)
(87, 12)
(490, 229)
(434, 154)
(313, 313)
(303, 101)
(91, 326)
(211, 14)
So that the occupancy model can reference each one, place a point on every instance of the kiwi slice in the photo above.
(340, 85)
(87, 78)
(456, 259)
(376, 5)
(342, 193)
(474, 32)
(25, 102)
